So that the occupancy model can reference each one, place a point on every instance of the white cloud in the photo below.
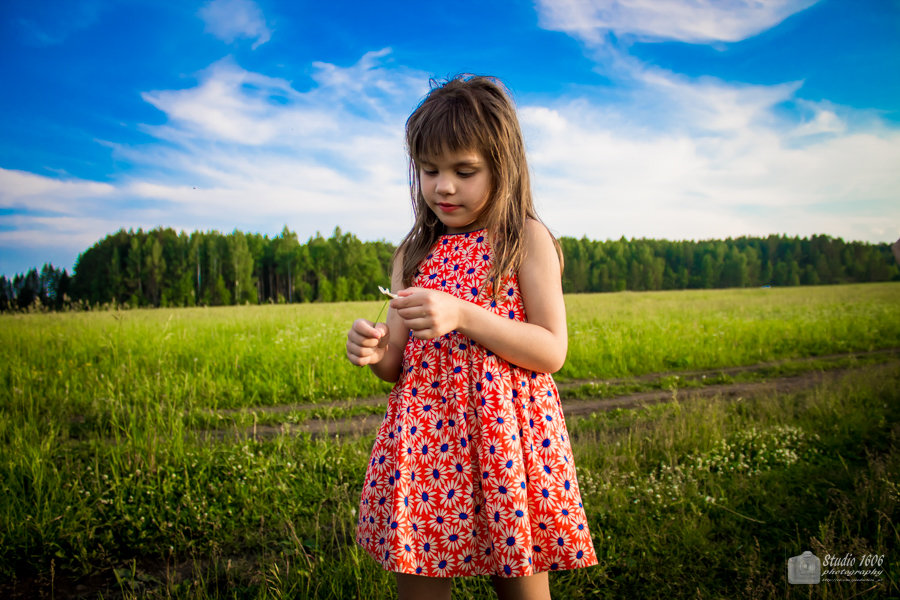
(244, 150)
(668, 156)
(232, 19)
(254, 148)
(59, 232)
(234, 105)
(23, 190)
(718, 162)
(694, 21)
(59, 218)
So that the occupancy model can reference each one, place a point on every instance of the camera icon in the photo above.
(804, 569)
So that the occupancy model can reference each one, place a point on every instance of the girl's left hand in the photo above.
(428, 314)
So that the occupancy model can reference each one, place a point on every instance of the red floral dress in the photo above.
(472, 471)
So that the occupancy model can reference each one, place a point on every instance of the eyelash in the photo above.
(462, 174)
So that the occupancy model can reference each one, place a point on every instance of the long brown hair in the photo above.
(464, 113)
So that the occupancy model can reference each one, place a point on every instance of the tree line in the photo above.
(162, 267)
(642, 264)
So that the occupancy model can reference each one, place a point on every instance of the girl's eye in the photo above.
(465, 173)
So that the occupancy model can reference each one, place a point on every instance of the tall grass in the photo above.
(102, 474)
(613, 335)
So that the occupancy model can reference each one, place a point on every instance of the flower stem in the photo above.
(382, 310)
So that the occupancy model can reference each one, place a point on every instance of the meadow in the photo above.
(113, 487)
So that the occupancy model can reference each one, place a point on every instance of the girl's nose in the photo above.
(443, 185)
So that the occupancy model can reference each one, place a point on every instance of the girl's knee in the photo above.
(529, 587)
(419, 587)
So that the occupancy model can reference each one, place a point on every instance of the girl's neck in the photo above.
(465, 232)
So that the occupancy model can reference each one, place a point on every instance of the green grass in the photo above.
(613, 335)
(107, 477)
(711, 497)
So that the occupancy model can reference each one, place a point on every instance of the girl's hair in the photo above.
(465, 113)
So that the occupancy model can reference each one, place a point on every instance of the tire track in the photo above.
(368, 424)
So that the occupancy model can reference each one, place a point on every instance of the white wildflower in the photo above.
(387, 292)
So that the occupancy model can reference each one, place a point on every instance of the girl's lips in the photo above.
(447, 207)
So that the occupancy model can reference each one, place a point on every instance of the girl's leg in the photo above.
(419, 587)
(531, 587)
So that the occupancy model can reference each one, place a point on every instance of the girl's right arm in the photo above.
(380, 345)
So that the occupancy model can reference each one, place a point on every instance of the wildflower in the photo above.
(387, 292)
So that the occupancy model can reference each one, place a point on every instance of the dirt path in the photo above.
(368, 424)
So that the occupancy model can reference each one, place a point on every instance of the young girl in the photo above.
(472, 471)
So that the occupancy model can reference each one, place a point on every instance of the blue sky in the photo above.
(671, 119)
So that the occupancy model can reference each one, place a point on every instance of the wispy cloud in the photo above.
(23, 190)
(244, 150)
(664, 20)
(257, 147)
(52, 23)
(229, 20)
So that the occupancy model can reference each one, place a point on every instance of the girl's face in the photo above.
(456, 187)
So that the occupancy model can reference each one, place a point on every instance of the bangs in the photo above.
(445, 125)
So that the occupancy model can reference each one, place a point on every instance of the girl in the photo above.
(472, 471)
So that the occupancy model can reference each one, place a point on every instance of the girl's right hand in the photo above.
(367, 342)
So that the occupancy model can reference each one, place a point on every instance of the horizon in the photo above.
(678, 123)
(71, 271)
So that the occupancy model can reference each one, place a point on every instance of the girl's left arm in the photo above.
(539, 344)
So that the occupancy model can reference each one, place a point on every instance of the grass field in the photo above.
(110, 482)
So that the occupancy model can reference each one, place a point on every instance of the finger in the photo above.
(401, 302)
(365, 341)
(358, 351)
(361, 361)
(418, 325)
(406, 297)
(361, 355)
(385, 334)
(362, 340)
(410, 312)
(354, 358)
(425, 333)
(366, 328)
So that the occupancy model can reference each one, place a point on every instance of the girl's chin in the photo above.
(456, 224)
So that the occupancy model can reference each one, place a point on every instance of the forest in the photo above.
(162, 267)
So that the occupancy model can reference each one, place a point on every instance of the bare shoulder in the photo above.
(534, 228)
(538, 242)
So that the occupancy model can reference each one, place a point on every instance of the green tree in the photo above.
(116, 279)
(241, 268)
(154, 268)
(134, 271)
(285, 262)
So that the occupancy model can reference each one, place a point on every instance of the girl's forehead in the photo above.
(453, 157)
